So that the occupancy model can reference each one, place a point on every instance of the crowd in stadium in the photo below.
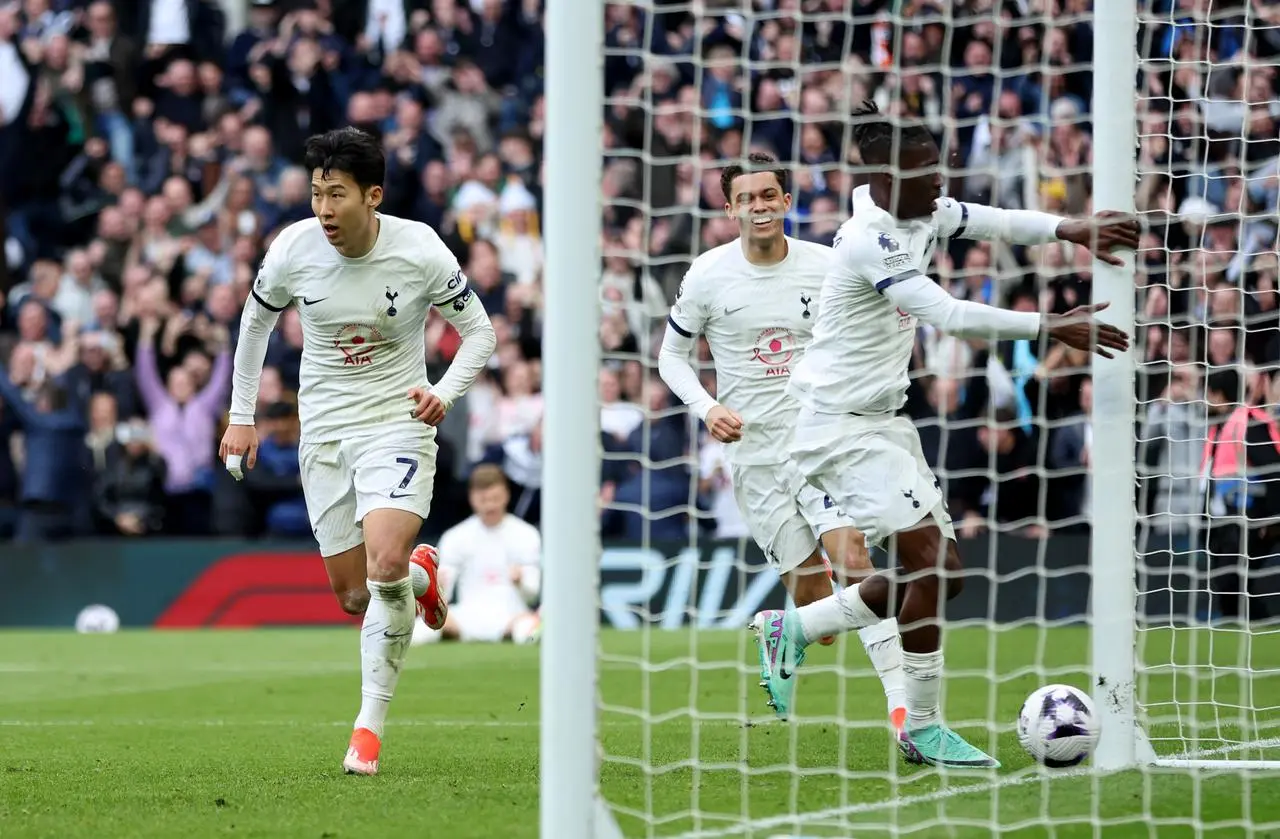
(148, 155)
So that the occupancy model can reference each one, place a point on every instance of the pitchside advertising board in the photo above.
(714, 584)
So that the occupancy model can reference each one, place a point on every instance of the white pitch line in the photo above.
(1229, 749)
(1027, 777)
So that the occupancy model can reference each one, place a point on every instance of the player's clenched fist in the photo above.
(427, 407)
(239, 445)
(724, 425)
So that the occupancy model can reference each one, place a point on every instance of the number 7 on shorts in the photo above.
(412, 463)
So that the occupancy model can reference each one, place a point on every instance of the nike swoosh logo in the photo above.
(307, 302)
(398, 634)
(784, 673)
(728, 312)
(402, 495)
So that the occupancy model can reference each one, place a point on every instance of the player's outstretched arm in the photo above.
(920, 296)
(1103, 233)
(916, 294)
(468, 316)
(678, 373)
(240, 442)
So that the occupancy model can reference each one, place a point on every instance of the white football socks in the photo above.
(384, 640)
(884, 648)
(923, 672)
(835, 615)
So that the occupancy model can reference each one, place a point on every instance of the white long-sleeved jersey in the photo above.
(363, 326)
(758, 321)
(878, 286)
(476, 561)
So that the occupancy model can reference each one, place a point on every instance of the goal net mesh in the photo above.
(1209, 114)
(687, 744)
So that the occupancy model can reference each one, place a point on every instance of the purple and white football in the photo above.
(1058, 726)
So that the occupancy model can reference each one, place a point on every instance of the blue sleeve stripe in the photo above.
(264, 304)
(897, 278)
(964, 221)
(678, 328)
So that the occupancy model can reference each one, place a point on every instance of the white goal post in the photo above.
(655, 726)
(1114, 592)
(570, 805)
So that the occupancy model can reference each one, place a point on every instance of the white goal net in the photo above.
(1208, 160)
(687, 745)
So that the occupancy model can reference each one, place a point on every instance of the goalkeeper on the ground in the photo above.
(491, 562)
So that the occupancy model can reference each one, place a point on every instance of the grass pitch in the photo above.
(241, 734)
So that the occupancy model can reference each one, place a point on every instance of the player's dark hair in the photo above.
(757, 161)
(349, 150)
(877, 136)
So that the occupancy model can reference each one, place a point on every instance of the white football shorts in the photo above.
(783, 512)
(874, 469)
(342, 480)
(487, 615)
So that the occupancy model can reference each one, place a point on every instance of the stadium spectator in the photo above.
(1242, 462)
(275, 484)
(54, 504)
(130, 493)
(184, 415)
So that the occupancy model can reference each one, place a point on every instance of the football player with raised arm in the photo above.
(850, 442)
(363, 284)
(756, 300)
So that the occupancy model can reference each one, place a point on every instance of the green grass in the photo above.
(240, 734)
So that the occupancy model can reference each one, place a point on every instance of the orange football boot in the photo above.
(898, 719)
(362, 754)
(431, 605)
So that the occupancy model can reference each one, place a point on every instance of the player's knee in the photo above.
(387, 565)
(353, 601)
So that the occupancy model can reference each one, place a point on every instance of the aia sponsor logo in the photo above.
(775, 347)
(357, 343)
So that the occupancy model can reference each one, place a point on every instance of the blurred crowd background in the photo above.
(149, 153)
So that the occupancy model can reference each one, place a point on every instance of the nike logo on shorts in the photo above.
(397, 635)
(307, 302)
(401, 495)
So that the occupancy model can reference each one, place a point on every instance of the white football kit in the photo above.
(363, 327)
(758, 321)
(475, 565)
(849, 441)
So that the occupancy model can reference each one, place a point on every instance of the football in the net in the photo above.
(1058, 726)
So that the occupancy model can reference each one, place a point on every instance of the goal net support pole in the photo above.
(1112, 561)
(571, 807)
